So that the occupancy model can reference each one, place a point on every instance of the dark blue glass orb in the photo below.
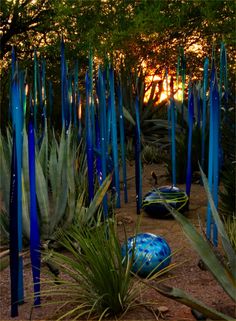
(154, 201)
(150, 253)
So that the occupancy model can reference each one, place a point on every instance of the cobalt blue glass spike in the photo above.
(168, 106)
(89, 142)
(13, 69)
(64, 89)
(34, 225)
(216, 107)
(190, 130)
(70, 100)
(167, 83)
(211, 151)
(79, 117)
(183, 76)
(173, 145)
(204, 110)
(92, 117)
(122, 141)
(98, 147)
(13, 232)
(223, 74)
(22, 93)
(92, 107)
(44, 92)
(198, 109)
(102, 119)
(66, 99)
(103, 124)
(35, 90)
(114, 136)
(169, 122)
(39, 83)
(173, 126)
(138, 164)
(50, 101)
(41, 90)
(108, 131)
(17, 120)
(62, 81)
(178, 69)
(76, 92)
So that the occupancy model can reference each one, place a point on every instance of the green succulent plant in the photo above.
(61, 182)
(225, 274)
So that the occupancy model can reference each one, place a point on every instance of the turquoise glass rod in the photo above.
(114, 136)
(204, 111)
(17, 120)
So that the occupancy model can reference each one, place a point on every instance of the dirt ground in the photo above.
(187, 276)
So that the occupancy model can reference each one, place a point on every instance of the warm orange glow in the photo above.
(79, 111)
(26, 89)
(162, 90)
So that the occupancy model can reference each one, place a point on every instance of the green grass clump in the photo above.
(100, 283)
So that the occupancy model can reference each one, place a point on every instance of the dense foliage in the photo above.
(139, 29)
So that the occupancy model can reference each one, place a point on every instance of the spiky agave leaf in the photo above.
(222, 274)
(5, 151)
(43, 200)
(186, 299)
(58, 182)
(43, 151)
(230, 252)
(25, 189)
(5, 173)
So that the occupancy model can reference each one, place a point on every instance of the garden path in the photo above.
(187, 276)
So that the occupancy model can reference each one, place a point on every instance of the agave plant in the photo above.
(60, 182)
(5, 161)
(225, 274)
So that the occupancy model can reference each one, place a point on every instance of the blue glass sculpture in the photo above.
(154, 201)
(150, 253)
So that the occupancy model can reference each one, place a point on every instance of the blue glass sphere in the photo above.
(150, 252)
(154, 201)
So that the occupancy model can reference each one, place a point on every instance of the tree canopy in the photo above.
(138, 30)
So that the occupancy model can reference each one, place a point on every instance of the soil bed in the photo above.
(187, 276)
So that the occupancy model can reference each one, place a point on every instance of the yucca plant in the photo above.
(225, 274)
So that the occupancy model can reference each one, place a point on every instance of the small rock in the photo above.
(163, 309)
